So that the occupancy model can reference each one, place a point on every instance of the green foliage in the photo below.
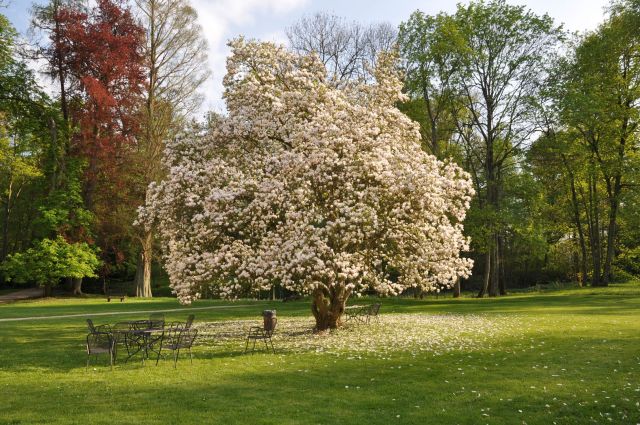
(63, 211)
(51, 260)
(431, 47)
(629, 260)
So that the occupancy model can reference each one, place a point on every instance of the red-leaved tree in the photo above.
(103, 49)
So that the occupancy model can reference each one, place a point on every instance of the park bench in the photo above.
(362, 313)
(116, 296)
(116, 290)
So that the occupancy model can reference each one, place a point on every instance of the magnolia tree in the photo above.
(324, 191)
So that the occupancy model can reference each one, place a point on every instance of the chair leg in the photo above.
(253, 349)
(175, 358)
(190, 356)
(246, 346)
(272, 347)
(88, 358)
(265, 343)
(158, 358)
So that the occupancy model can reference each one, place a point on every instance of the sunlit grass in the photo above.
(570, 356)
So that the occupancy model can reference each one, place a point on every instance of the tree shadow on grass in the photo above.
(509, 383)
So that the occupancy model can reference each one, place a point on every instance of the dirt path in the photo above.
(24, 294)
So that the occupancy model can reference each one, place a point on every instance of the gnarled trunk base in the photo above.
(143, 270)
(77, 286)
(328, 306)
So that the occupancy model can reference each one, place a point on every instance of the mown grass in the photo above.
(575, 360)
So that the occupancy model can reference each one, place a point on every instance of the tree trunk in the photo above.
(143, 269)
(502, 281)
(328, 306)
(47, 290)
(595, 232)
(456, 289)
(577, 222)
(495, 275)
(5, 221)
(614, 204)
(77, 286)
(487, 274)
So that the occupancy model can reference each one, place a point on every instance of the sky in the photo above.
(222, 20)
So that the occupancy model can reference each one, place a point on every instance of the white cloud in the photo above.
(219, 20)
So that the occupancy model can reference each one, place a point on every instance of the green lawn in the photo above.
(564, 357)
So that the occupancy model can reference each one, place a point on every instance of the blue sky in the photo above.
(267, 19)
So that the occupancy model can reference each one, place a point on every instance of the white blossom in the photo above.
(308, 185)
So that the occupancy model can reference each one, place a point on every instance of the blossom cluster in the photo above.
(306, 185)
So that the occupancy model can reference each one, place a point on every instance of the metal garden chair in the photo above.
(156, 321)
(99, 342)
(177, 338)
(264, 332)
(99, 328)
(374, 309)
(189, 322)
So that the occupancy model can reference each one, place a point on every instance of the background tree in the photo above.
(503, 58)
(598, 103)
(176, 67)
(429, 46)
(321, 190)
(50, 261)
(103, 58)
(345, 48)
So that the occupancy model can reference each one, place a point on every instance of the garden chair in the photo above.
(189, 322)
(156, 321)
(100, 328)
(99, 342)
(177, 338)
(264, 332)
(122, 335)
(374, 309)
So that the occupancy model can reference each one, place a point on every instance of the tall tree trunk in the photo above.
(614, 205)
(6, 211)
(495, 275)
(328, 306)
(487, 275)
(143, 269)
(502, 282)
(53, 179)
(456, 289)
(596, 249)
(577, 222)
(77, 286)
(47, 290)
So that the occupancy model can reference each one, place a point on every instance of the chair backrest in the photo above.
(156, 320)
(99, 342)
(187, 336)
(189, 322)
(375, 308)
(92, 328)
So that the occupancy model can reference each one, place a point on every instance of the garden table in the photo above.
(362, 313)
(356, 312)
(138, 336)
